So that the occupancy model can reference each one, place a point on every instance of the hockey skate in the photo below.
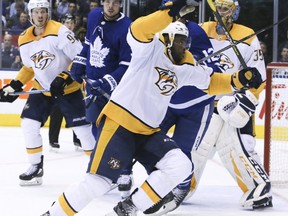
(54, 147)
(33, 176)
(125, 183)
(258, 198)
(124, 208)
(169, 203)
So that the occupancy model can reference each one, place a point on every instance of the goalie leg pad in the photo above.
(246, 171)
(205, 151)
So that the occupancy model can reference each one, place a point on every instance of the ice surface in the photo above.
(217, 194)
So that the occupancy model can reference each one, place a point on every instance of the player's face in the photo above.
(39, 16)
(111, 9)
(70, 24)
(179, 47)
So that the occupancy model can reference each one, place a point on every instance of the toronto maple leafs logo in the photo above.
(98, 53)
(167, 82)
(42, 59)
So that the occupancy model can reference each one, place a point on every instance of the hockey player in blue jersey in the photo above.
(105, 56)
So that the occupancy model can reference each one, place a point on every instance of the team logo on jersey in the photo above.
(225, 62)
(167, 82)
(42, 59)
(98, 53)
(114, 163)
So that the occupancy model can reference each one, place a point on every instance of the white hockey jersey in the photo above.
(249, 49)
(47, 56)
(140, 101)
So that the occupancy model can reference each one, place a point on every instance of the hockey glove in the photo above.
(246, 78)
(78, 68)
(176, 5)
(105, 85)
(59, 83)
(14, 86)
(236, 110)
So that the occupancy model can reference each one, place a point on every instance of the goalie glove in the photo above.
(106, 84)
(78, 68)
(236, 110)
(14, 86)
(176, 5)
(246, 78)
(59, 83)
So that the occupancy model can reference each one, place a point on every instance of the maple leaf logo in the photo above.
(98, 53)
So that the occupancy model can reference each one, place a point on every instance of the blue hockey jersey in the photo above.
(109, 53)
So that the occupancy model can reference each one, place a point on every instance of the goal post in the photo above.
(276, 123)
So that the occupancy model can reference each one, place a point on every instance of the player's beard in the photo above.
(112, 17)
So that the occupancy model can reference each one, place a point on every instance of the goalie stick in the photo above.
(241, 40)
(219, 19)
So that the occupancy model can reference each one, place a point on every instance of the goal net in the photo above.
(276, 124)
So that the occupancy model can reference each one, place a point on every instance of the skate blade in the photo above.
(168, 207)
(32, 182)
(55, 150)
(113, 186)
(78, 149)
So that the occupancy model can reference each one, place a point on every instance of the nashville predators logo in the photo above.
(42, 59)
(114, 163)
(167, 82)
(225, 62)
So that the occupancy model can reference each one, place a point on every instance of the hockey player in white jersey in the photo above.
(129, 123)
(47, 49)
(231, 131)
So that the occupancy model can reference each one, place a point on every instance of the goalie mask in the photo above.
(229, 11)
(176, 40)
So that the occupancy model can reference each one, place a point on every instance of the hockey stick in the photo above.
(226, 31)
(241, 40)
(29, 92)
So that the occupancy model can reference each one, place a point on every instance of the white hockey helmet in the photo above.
(173, 29)
(38, 4)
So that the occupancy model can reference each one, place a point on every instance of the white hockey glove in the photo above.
(236, 110)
